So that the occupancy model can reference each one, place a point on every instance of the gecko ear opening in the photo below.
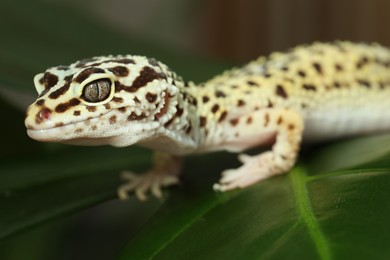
(38, 82)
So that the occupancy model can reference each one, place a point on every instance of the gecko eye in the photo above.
(97, 90)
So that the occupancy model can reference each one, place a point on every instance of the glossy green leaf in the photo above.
(328, 207)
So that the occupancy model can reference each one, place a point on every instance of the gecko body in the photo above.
(312, 93)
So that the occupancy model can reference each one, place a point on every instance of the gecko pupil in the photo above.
(97, 90)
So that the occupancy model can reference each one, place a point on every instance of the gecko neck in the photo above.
(179, 131)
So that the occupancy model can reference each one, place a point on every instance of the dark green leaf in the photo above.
(328, 207)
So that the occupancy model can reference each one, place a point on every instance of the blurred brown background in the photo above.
(241, 30)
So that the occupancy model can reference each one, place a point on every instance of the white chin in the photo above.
(45, 135)
(55, 135)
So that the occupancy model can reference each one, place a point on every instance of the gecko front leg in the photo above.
(288, 128)
(165, 172)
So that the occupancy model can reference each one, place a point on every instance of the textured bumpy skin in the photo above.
(315, 92)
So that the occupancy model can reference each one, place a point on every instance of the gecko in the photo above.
(310, 93)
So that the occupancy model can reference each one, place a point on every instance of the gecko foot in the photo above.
(254, 169)
(141, 184)
(165, 172)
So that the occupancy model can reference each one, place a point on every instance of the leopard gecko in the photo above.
(310, 93)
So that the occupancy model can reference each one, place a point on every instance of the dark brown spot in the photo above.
(134, 117)
(205, 99)
(336, 84)
(266, 119)
(169, 121)
(136, 100)
(117, 99)
(68, 78)
(61, 108)
(249, 120)
(193, 101)
(59, 124)
(215, 108)
(240, 102)
(150, 97)
(112, 120)
(202, 121)
(280, 120)
(122, 109)
(62, 90)
(281, 92)
(361, 62)
(91, 108)
(364, 83)
(291, 127)
(219, 94)
(270, 104)
(252, 83)
(301, 73)
(76, 113)
(107, 106)
(94, 128)
(119, 86)
(234, 121)
(309, 87)
(285, 68)
(222, 116)
(120, 71)
(78, 131)
(189, 128)
(49, 80)
(146, 75)
(179, 111)
(317, 67)
(40, 102)
(381, 85)
(83, 75)
(268, 75)
(164, 109)
(338, 67)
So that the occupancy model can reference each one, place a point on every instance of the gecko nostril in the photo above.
(44, 114)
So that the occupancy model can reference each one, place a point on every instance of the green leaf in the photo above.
(331, 210)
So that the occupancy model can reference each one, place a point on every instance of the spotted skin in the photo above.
(311, 93)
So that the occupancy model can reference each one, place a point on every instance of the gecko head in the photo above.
(115, 100)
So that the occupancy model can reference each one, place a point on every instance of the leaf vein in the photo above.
(305, 212)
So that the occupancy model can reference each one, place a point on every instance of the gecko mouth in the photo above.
(62, 131)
